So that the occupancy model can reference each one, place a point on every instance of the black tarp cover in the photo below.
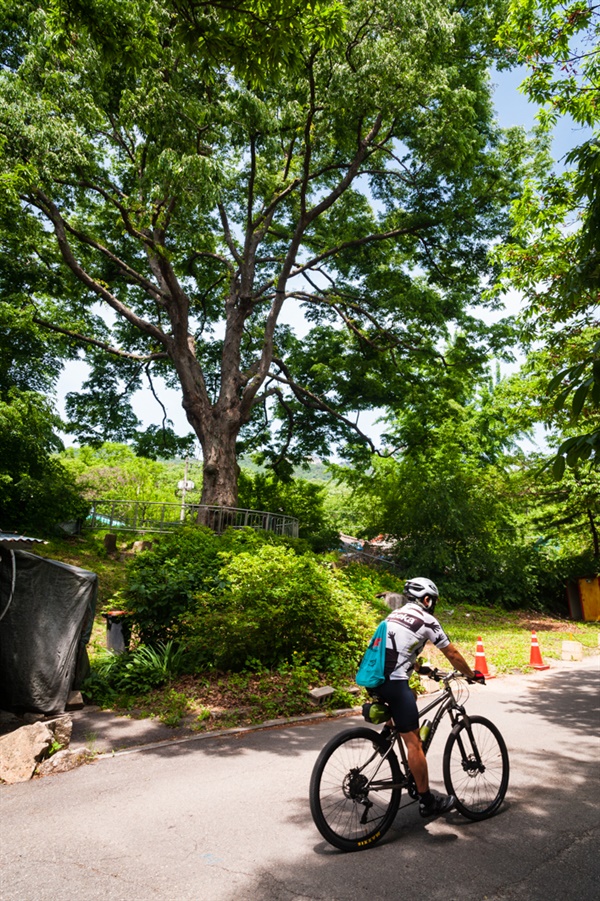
(44, 631)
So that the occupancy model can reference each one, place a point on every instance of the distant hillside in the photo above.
(315, 471)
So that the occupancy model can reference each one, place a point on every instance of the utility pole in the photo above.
(184, 485)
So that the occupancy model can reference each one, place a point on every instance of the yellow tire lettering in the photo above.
(369, 841)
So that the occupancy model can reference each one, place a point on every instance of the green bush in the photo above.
(274, 606)
(368, 581)
(132, 673)
(297, 497)
(162, 583)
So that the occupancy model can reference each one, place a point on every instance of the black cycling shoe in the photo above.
(441, 804)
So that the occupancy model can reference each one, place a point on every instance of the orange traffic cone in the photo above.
(535, 658)
(480, 661)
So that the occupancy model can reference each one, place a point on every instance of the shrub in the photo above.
(162, 583)
(132, 673)
(273, 605)
(297, 497)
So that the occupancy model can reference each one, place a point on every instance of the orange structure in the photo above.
(481, 662)
(535, 657)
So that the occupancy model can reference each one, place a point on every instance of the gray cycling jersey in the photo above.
(408, 630)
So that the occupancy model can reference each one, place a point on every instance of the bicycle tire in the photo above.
(479, 789)
(340, 795)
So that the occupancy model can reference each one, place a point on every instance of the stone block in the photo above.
(110, 543)
(63, 761)
(61, 729)
(21, 750)
(572, 650)
(317, 695)
(75, 701)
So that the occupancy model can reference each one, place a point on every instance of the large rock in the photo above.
(63, 761)
(61, 729)
(21, 750)
(393, 599)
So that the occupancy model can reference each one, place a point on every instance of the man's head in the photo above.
(423, 592)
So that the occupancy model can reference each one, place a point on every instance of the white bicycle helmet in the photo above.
(419, 589)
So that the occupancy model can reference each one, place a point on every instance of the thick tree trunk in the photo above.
(220, 469)
(217, 425)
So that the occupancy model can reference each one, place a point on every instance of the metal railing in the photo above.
(153, 516)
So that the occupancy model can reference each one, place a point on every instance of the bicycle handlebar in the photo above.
(440, 676)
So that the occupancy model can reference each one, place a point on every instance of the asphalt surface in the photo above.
(226, 818)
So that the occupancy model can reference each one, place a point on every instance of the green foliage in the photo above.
(162, 583)
(563, 520)
(273, 604)
(173, 707)
(265, 603)
(29, 360)
(548, 37)
(162, 443)
(296, 497)
(115, 472)
(366, 582)
(132, 673)
(54, 748)
(182, 165)
(36, 491)
(448, 500)
(553, 257)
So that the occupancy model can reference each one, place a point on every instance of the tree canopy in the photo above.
(554, 257)
(177, 175)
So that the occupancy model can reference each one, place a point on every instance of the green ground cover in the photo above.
(211, 699)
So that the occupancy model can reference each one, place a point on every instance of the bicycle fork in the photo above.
(471, 758)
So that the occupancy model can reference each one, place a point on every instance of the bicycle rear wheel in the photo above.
(476, 768)
(354, 791)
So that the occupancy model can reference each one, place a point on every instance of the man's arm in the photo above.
(458, 661)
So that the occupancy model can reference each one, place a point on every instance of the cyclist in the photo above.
(408, 630)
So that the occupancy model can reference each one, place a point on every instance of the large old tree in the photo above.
(180, 177)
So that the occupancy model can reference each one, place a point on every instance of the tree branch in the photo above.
(51, 210)
(312, 401)
(85, 339)
(228, 236)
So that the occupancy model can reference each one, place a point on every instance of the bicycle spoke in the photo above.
(476, 768)
(348, 808)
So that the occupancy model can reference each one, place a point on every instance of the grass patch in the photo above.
(506, 635)
(212, 701)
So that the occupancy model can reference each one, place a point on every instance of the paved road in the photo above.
(227, 819)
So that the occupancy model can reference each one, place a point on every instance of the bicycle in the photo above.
(357, 780)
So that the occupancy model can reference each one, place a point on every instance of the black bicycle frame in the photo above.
(446, 703)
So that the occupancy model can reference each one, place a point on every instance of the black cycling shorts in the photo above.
(401, 701)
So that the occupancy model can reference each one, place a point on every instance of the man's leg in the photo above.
(402, 703)
(430, 803)
(417, 762)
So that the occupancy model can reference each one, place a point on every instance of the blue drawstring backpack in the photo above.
(371, 671)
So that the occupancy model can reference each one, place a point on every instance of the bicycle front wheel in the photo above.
(355, 790)
(476, 767)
